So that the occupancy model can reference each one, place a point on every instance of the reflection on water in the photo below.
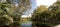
(28, 24)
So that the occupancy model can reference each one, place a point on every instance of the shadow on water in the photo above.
(42, 25)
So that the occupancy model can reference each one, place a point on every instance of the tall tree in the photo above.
(22, 5)
(48, 18)
(38, 17)
(15, 11)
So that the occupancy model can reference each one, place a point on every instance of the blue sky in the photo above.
(33, 3)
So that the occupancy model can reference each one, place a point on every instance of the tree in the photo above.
(46, 18)
(5, 18)
(55, 12)
(39, 16)
(22, 6)
(8, 14)
(9, 10)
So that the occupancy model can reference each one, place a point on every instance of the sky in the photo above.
(45, 2)
(36, 3)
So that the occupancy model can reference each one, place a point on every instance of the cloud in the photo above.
(45, 2)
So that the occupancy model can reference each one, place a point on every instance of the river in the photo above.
(28, 24)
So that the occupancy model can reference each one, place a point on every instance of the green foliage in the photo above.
(9, 13)
(4, 8)
(47, 18)
(5, 18)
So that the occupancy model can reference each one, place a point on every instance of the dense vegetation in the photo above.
(5, 18)
(10, 14)
(47, 17)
